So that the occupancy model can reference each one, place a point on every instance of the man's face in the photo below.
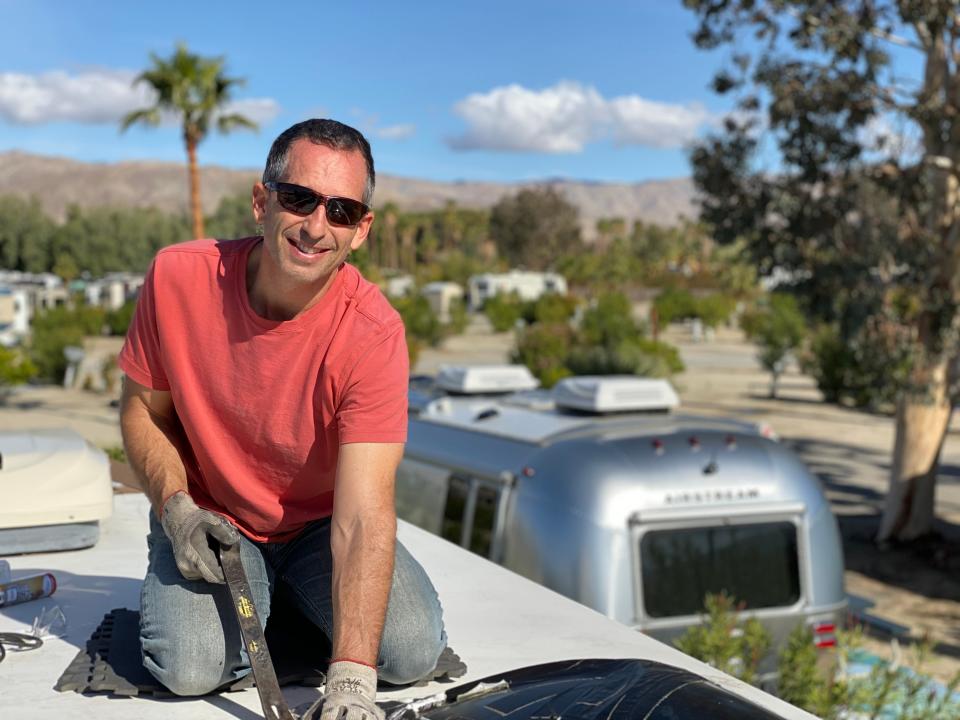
(307, 249)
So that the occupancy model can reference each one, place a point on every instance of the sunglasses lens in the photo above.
(344, 211)
(297, 200)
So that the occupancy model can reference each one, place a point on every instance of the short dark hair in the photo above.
(330, 133)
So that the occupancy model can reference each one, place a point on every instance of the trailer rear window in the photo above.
(756, 564)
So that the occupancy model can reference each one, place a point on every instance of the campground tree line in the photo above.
(593, 331)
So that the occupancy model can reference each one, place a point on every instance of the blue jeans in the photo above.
(189, 632)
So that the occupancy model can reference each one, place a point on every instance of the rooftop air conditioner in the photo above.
(55, 488)
(615, 393)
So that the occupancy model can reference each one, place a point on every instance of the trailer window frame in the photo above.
(475, 486)
(639, 529)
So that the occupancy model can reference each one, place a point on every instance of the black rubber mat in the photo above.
(111, 662)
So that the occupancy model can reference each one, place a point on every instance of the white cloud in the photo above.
(636, 121)
(566, 117)
(396, 132)
(261, 110)
(99, 96)
(94, 97)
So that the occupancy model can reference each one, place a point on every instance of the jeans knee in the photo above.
(187, 672)
(190, 681)
(414, 663)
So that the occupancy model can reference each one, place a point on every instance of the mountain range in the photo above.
(60, 182)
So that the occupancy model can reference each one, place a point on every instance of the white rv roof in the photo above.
(496, 621)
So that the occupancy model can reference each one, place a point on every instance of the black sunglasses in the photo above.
(303, 201)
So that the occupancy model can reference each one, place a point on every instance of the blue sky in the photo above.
(444, 90)
(503, 91)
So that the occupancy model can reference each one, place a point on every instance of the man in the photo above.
(265, 404)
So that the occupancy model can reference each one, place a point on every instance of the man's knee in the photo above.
(413, 662)
(187, 670)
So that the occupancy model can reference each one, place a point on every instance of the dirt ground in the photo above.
(917, 588)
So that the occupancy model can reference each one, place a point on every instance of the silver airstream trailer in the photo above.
(600, 492)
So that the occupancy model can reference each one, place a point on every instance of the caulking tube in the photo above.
(28, 588)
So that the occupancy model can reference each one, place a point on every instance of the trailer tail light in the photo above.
(694, 443)
(824, 634)
(657, 446)
(731, 442)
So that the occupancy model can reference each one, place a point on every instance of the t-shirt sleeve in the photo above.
(140, 357)
(374, 405)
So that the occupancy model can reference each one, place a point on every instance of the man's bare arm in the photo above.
(150, 437)
(362, 539)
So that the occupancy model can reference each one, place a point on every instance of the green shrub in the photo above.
(639, 356)
(57, 328)
(119, 320)
(778, 328)
(543, 347)
(715, 309)
(421, 324)
(503, 310)
(553, 307)
(725, 642)
(674, 304)
(803, 679)
(869, 370)
(609, 321)
(15, 369)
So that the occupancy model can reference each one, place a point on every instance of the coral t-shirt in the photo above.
(265, 405)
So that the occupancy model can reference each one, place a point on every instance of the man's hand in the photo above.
(350, 693)
(188, 528)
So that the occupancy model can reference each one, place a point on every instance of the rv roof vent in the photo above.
(614, 393)
(479, 379)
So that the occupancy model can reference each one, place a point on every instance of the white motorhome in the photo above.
(597, 491)
(527, 285)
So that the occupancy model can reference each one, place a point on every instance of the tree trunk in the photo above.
(195, 210)
(921, 425)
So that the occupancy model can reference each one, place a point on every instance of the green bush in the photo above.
(544, 347)
(869, 370)
(609, 321)
(639, 356)
(805, 680)
(503, 310)
(15, 369)
(119, 320)
(725, 642)
(57, 328)
(714, 309)
(421, 324)
(674, 304)
(554, 308)
(778, 328)
(815, 680)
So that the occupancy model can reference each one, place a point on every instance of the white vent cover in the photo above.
(479, 379)
(614, 393)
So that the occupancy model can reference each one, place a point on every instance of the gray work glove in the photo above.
(349, 694)
(189, 528)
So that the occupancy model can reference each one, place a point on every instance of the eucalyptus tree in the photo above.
(195, 90)
(841, 172)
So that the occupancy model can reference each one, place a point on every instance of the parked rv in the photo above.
(600, 491)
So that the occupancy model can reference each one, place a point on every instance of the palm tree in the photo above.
(195, 89)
